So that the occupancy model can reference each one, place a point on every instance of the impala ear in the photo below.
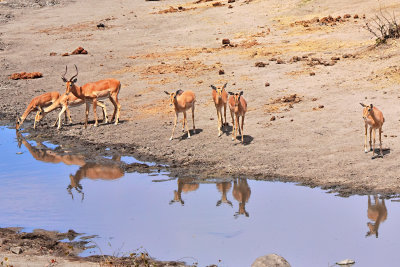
(362, 104)
(371, 106)
(64, 80)
(230, 93)
(166, 92)
(241, 93)
(75, 80)
(224, 86)
(213, 87)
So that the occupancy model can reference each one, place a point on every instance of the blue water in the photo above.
(306, 226)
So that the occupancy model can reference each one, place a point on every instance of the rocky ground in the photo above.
(303, 74)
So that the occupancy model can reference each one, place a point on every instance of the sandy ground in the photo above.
(152, 46)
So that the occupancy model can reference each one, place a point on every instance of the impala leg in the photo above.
(117, 106)
(185, 121)
(373, 147)
(36, 119)
(237, 125)
(87, 113)
(96, 123)
(225, 115)
(380, 140)
(233, 127)
(242, 128)
(370, 138)
(173, 129)
(219, 122)
(183, 125)
(366, 138)
(194, 127)
(60, 117)
(104, 110)
(69, 115)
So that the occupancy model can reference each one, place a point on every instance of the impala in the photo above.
(224, 188)
(65, 101)
(37, 104)
(376, 212)
(94, 91)
(241, 192)
(220, 97)
(373, 118)
(238, 107)
(182, 101)
(184, 185)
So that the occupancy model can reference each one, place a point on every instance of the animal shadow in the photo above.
(192, 133)
(227, 129)
(377, 152)
(247, 139)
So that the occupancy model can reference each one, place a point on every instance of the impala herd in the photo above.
(181, 100)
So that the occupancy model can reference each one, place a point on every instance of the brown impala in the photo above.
(37, 104)
(65, 101)
(94, 91)
(220, 97)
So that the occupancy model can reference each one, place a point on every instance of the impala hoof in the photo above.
(219, 134)
(170, 138)
(233, 139)
(366, 151)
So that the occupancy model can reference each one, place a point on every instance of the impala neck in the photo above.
(76, 90)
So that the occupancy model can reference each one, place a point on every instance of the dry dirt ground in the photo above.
(151, 46)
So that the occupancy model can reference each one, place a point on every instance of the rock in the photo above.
(101, 25)
(65, 55)
(355, 16)
(217, 4)
(52, 54)
(267, 84)
(347, 16)
(16, 250)
(221, 72)
(312, 73)
(272, 119)
(79, 50)
(321, 106)
(335, 58)
(314, 99)
(345, 262)
(270, 260)
(260, 64)
(280, 61)
(226, 41)
(230, 6)
(231, 1)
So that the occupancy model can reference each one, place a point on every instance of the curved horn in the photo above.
(63, 76)
(75, 74)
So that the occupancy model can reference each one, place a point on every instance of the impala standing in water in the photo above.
(37, 104)
(373, 118)
(94, 91)
(220, 97)
(182, 101)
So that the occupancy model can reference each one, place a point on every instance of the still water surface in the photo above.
(229, 224)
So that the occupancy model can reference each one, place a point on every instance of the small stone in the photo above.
(314, 99)
(221, 72)
(16, 250)
(230, 6)
(280, 61)
(321, 106)
(270, 260)
(312, 73)
(272, 118)
(335, 58)
(355, 16)
(65, 55)
(267, 84)
(260, 64)
(231, 1)
(226, 41)
(101, 25)
(347, 16)
(52, 54)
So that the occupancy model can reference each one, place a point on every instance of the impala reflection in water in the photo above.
(91, 170)
(377, 212)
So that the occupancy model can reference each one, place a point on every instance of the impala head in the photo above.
(372, 230)
(71, 82)
(219, 89)
(236, 98)
(172, 96)
(18, 123)
(367, 110)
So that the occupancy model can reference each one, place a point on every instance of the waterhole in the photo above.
(227, 222)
